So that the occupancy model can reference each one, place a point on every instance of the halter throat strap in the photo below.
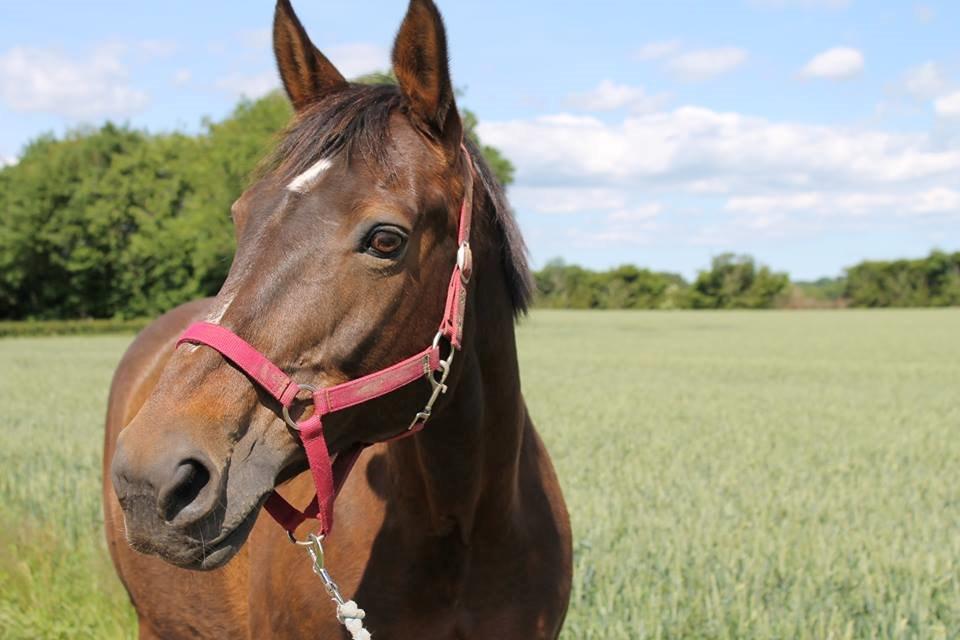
(330, 474)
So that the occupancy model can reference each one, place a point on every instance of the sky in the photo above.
(811, 134)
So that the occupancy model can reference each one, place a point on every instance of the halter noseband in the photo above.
(329, 476)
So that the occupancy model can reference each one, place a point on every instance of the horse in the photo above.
(346, 240)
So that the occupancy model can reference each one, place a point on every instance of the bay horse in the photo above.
(346, 243)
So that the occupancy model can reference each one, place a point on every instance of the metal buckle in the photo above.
(465, 262)
(286, 410)
(438, 386)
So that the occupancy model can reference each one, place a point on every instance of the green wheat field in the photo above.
(729, 475)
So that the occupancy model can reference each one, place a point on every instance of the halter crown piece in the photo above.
(329, 476)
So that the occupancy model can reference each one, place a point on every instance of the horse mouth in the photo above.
(220, 550)
(194, 550)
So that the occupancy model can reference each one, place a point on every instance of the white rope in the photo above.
(351, 616)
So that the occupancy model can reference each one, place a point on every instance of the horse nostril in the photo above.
(183, 490)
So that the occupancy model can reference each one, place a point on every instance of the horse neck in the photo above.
(460, 472)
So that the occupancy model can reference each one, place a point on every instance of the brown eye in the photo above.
(385, 242)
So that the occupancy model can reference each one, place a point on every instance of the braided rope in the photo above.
(351, 616)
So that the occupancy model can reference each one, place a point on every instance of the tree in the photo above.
(735, 282)
(930, 281)
(560, 285)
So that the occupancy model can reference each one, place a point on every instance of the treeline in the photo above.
(731, 282)
(119, 223)
(737, 282)
(933, 281)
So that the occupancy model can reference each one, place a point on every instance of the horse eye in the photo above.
(385, 242)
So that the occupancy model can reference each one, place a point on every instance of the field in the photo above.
(729, 475)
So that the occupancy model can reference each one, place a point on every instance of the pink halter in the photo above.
(329, 476)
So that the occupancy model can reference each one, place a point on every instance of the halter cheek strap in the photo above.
(329, 476)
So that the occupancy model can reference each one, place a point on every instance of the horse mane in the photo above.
(357, 120)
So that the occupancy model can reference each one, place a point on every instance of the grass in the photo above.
(33, 328)
(729, 475)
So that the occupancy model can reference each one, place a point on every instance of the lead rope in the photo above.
(348, 613)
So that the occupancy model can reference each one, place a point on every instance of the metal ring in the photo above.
(304, 543)
(286, 410)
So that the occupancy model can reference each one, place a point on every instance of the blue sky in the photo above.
(809, 133)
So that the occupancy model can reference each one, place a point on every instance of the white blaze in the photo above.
(306, 180)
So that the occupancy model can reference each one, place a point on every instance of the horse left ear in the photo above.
(423, 72)
(306, 73)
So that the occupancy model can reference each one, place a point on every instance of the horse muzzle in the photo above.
(176, 500)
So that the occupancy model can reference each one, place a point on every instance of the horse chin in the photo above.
(192, 549)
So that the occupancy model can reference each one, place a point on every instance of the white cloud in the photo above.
(707, 63)
(617, 230)
(157, 48)
(249, 85)
(610, 96)
(6, 162)
(657, 50)
(838, 63)
(693, 147)
(936, 200)
(49, 81)
(641, 213)
(948, 106)
(565, 200)
(257, 39)
(924, 13)
(692, 64)
(735, 178)
(182, 77)
(925, 81)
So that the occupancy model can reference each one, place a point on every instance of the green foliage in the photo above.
(735, 282)
(377, 77)
(118, 223)
(736, 475)
(562, 286)
(929, 282)
(22, 329)
(824, 289)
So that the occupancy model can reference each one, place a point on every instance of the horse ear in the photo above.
(306, 73)
(422, 70)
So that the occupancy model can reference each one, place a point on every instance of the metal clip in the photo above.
(314, 546)
(438, 386)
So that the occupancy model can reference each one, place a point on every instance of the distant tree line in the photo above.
(731, 282)
(737, 282)
(933, 281)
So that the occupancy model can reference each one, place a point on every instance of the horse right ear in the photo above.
(306, 73)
